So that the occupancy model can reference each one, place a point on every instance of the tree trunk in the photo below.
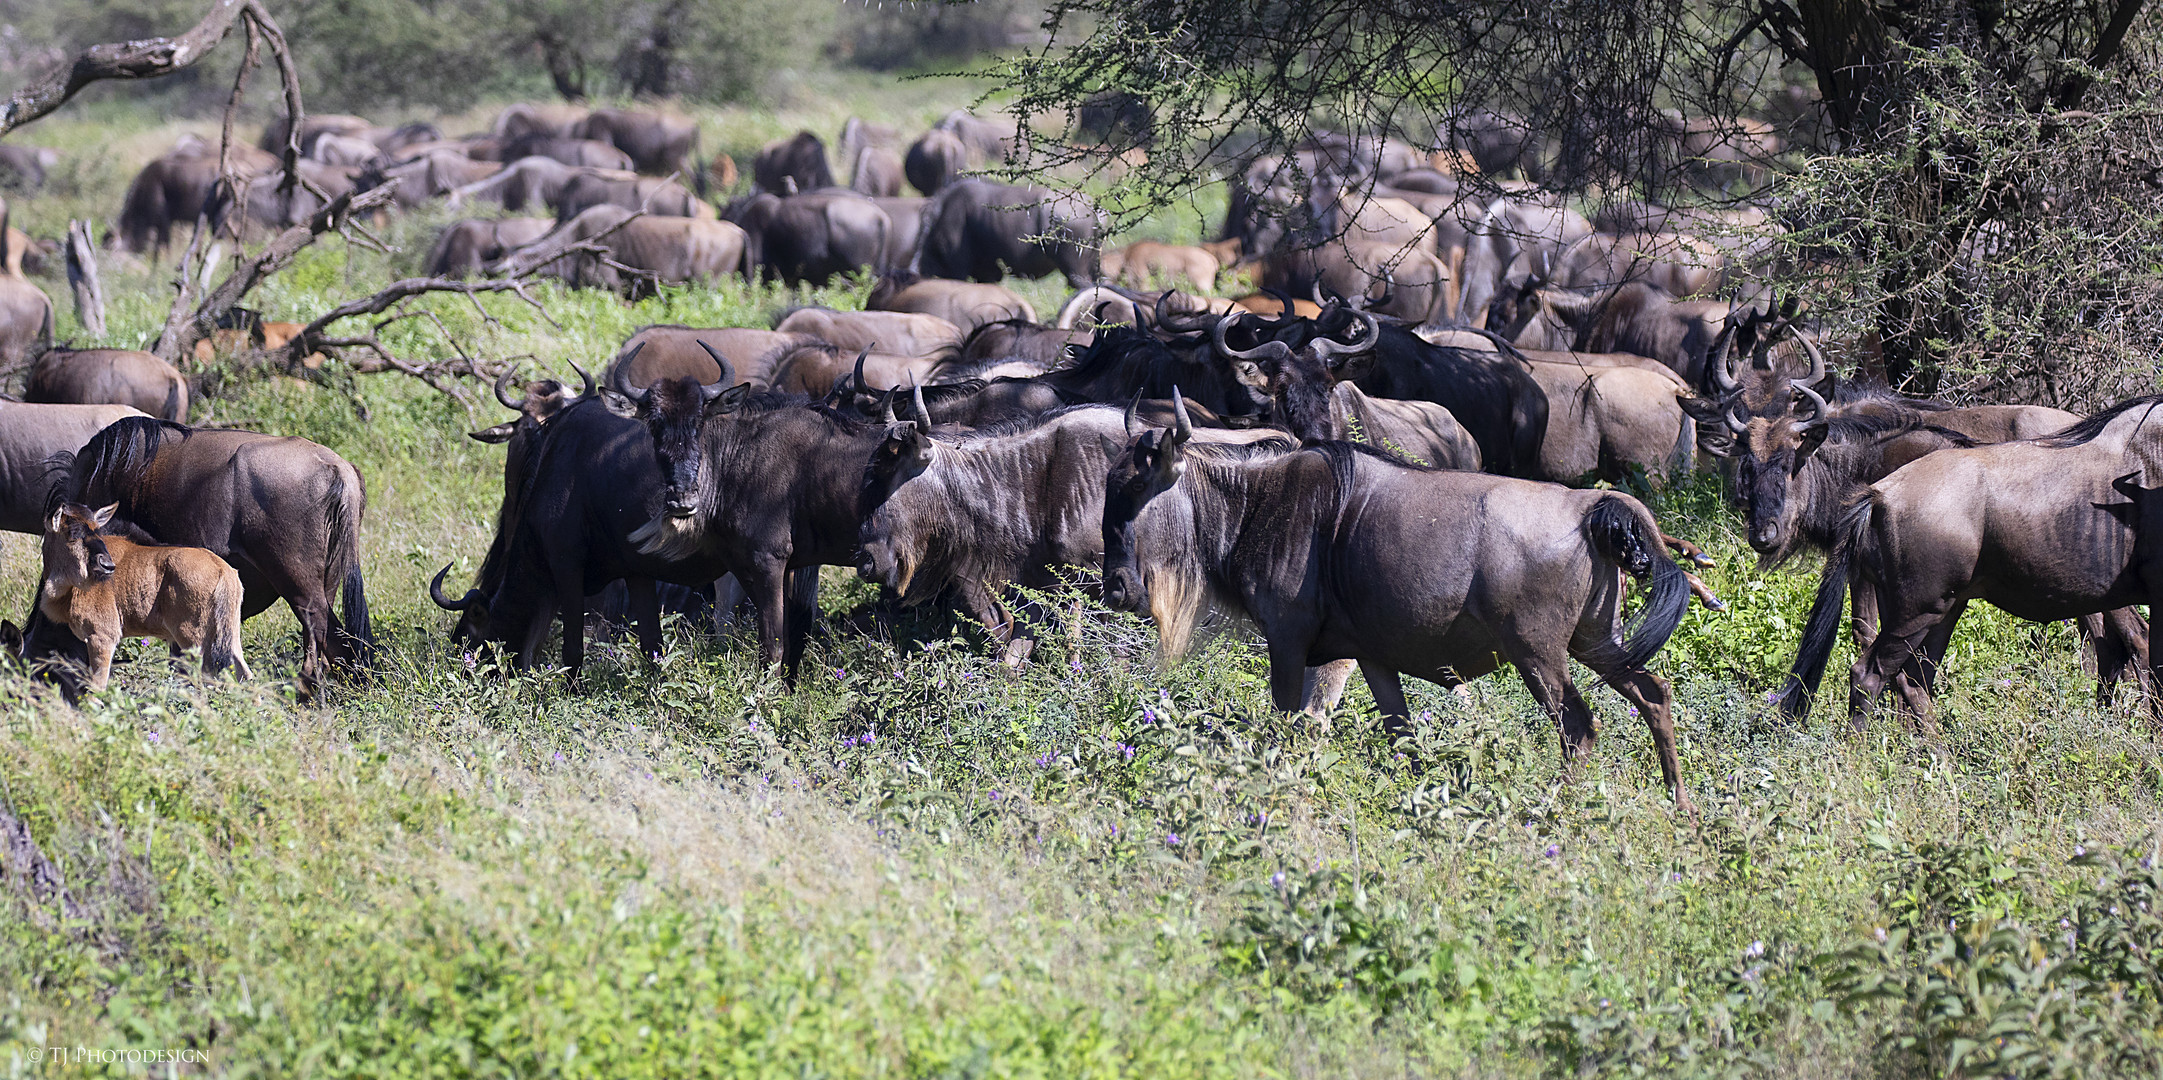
(83, 279)
(1855, 64)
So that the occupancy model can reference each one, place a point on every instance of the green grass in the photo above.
(922, 864)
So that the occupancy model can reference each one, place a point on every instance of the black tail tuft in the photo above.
(1625, 534)
(1822, 629)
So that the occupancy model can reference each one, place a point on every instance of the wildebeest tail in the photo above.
(1624, 533)
(1822, 629)
(342, 569)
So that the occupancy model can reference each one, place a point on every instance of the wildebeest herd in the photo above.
(1380, 476)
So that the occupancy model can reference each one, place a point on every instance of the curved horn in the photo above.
(585, 376)
(1134, 409)
(1819, 410)
(1268, 349)
(921, 415)
(1733, 419)
(1817, 359)
(886, 406)
(435, 593)
(859, 376)
(1327, 347)
(1182, 429)
(1716, 360)
(503, 388)
(728, 371)
(619, 379)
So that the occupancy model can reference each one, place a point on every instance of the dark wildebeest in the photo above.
(1512, 236)
(128, 377)
(312, 128)
(935, 159)
(794, 164)
(265, 202)
(905, 213)
(31, 434)
(658, 197)
(2060, 527)
(658, 144)
(1341, 552)
(1116, 118)
(1013, 339)
(1638, 317)
(977, 230)
(589, 479)
(725, 355)
(1498, 143)
(585, 153)
(876, 172)
(284, 511)
(813, 370)
(813, 238)
(104, 588)
(1311, 396)
(643, 251)
(1680, 264)
(1800, 461)
(426, 178)
(771, 487)
(965, 304)
(976, 512)
(529, 184)
(1608, 422)
(1493, 396)
(986, 140)
(175, 190)
(900, 332)
(465, 247)
(551, 118)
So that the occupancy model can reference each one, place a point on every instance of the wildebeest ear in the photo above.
(56, 519)
(729, 400)
(918, 441)
(103, 515)
(619, 404)
(500, 433)
(1702, 410)
(1812, 438)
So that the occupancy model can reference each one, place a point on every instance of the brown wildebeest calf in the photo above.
(104, 588)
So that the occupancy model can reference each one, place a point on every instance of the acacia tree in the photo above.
(1948, 155)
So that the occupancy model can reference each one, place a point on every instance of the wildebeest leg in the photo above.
(1923, 666)
(1690, 552)
(1288, 672)
(1325, 686)
(1886, 655)
(799, 610)
(1549, 683)
(762, 582)
(645, 605)
(1655, 702)
(1386, 686)
(2117, 643)
(313, 613)
(537, 627)
(728, 595)
(571, 607)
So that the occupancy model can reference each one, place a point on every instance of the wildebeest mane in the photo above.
(117, 455)
(2086, 430)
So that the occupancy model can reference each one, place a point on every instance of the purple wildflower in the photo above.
(153, 736)
(1171, 839)
(559, 755)
(1276, 880)
(1552, 850)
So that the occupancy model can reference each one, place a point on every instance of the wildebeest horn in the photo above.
(1326, 347)
(1818, 408)
(586, 377)
(503, 388)
(1716, 366)
(1817, 359)
(619, 378)
(1134, 409)
(922, 415)
(1273, 349)
(1733, 419)
(1182, 429)
(886, 406)
(435, 593)
(727, 372)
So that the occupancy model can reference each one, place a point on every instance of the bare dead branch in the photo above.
(149, 58)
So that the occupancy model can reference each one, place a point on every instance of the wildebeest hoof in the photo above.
(1704, 594)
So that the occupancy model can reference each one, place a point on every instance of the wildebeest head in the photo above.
(1293, 370)
(1152, 463)
(542, 399)
(673, 411)
(74, 553)
(1765, 419)
(891, 549)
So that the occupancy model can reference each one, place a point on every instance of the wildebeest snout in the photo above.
(1123, 590)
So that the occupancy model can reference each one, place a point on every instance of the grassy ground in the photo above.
(920, 864)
